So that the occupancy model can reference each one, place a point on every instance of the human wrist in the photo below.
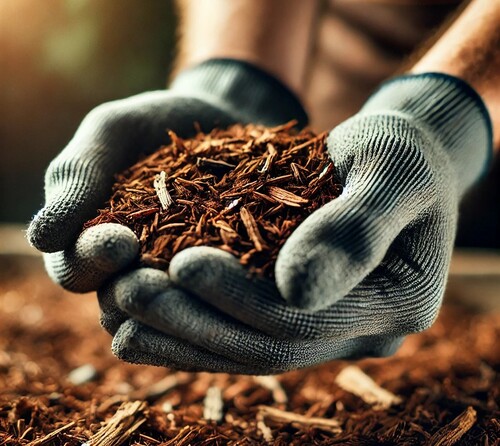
(447, 108)
(249, 93)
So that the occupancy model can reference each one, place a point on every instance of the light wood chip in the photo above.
(213, 404)
(161, 190)
(352, 379)
(327, 424)
(264, 429)
(286, 197)
(127, 419)
(272, 384)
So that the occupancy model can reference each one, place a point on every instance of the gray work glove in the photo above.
(364, 270)
(78, 181)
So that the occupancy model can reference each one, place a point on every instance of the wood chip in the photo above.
(272, 152)
(127, 419)
(252, 229)
(300, 421)
(453, 432)
(142, 213)
(264, 429)
(49, 437)
(160, 388)
(285, 197)
(82, 375)
(219, 167)
(213, 404)
(272, 384)
(110, 402)
(309, 143)
(352, 379)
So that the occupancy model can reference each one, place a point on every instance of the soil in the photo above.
(446, 372)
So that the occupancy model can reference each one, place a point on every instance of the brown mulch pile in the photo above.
(446, 378)
(243, 189)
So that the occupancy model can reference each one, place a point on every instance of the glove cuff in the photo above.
(244, 90)
(450, 109)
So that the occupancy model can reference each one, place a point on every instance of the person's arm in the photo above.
(470, 50)
(273, 35)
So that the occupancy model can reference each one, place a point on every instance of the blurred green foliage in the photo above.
(58, 60)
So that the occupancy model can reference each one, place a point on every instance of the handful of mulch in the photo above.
(243, 189)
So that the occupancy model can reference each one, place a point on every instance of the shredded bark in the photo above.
(243, 190)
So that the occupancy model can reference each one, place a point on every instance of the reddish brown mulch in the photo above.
(243, 190)
(45, 333)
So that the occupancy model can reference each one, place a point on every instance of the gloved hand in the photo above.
(156, 322)
(78, 181)
(364, 270)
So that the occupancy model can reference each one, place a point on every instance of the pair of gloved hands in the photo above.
(352, 280)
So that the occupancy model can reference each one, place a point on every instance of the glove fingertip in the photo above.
(134, 291)
(112, 319)
(44, 232)
(110, 246)
(124, 346)
(99, 252)
(192, 265)
(297, 297)
(303, 285)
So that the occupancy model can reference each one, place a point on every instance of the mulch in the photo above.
(243, 189)
(446, 378)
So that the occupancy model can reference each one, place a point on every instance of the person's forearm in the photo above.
(470, 50)
(272, 34)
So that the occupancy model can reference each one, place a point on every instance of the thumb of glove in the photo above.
(99, 252)
(387, 184)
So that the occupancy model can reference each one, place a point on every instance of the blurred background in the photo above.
(61, 58)
(58, 60)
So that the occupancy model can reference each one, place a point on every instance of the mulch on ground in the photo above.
(444, 386)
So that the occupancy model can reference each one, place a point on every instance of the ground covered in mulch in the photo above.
(447, 380)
